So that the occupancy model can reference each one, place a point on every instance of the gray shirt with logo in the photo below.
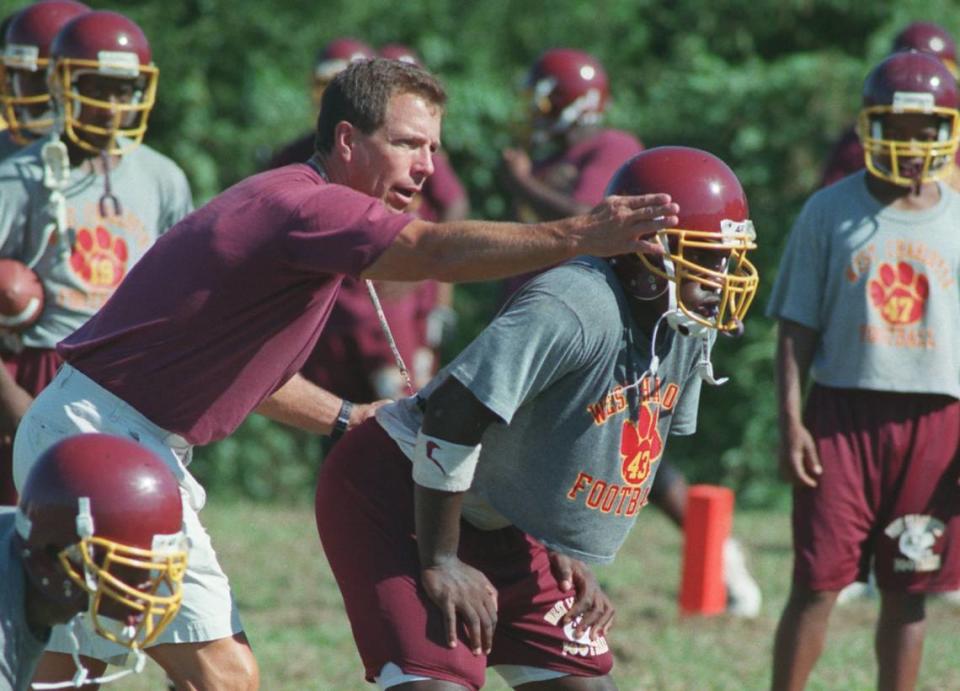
(880, 286)
(81, 265)
(573, 459)
(20, 649)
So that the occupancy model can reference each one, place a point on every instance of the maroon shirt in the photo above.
(354, 345)
(227, 305)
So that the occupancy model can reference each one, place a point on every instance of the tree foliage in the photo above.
(765, 84)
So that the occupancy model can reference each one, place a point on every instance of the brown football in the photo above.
(21, 295)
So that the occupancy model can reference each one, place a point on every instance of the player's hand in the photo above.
(591, 604)
(462, 591)
(621, 225)
(799, 461)
(517, 164)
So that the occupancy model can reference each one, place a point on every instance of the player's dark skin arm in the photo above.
(454, 413)
(799, 461)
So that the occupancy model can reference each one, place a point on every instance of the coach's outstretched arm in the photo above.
(482, 250)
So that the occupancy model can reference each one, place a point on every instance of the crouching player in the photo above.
(544, 437)
(105, 552)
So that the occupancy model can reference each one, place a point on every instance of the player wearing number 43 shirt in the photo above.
(544, 436)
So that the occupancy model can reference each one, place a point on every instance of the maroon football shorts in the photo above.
(32, 369)
(888, 492)
(366, 524)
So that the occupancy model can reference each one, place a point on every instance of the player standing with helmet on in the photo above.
(867, 299)
(925, 37)
(82, 207)
(106, 552)
(25, 101)
(569, 158)
(543, 436)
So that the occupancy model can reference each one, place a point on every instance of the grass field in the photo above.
(294, 616)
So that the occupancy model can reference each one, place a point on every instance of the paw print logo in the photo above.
(899, 293)
(99, 258)
(640, 445)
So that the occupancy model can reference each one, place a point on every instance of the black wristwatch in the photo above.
(343, 420)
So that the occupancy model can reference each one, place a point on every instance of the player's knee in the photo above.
(806, 598)
(236, 670)
(902, 608)
(223, 664)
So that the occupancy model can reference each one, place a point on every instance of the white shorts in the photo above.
(75, 404)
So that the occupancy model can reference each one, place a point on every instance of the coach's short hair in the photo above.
(360, 94)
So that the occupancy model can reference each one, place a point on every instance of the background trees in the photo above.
(765, 84)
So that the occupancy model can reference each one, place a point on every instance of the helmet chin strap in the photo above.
(82, 676)
(703, 368)
(678, 320)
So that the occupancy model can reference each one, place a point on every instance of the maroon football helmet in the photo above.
(333, 58)
(24, 95)
(107, 48)
(714, 218)
(928, 37)
(567, 87)
(100, 524)
(909, 83)
(398, 51)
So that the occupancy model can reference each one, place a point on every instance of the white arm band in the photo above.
(443, 465)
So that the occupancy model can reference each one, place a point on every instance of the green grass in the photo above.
(294, 616)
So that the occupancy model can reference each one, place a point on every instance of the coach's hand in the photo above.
(620, 225)
(590, 603)
(462, 591)
(799, 461)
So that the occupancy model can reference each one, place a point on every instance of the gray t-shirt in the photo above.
(880, 287)
(80, 268)
(7, 144)
(21, 649)
(574, 458)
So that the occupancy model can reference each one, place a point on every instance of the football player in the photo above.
(564, 169)
(465, 516)
(569, 157)
(79, 207)
(219, 315)
(867, 301)
(846, 156)
(101, 551)
(25, 101)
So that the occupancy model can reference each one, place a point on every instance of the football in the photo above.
(21, 295)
